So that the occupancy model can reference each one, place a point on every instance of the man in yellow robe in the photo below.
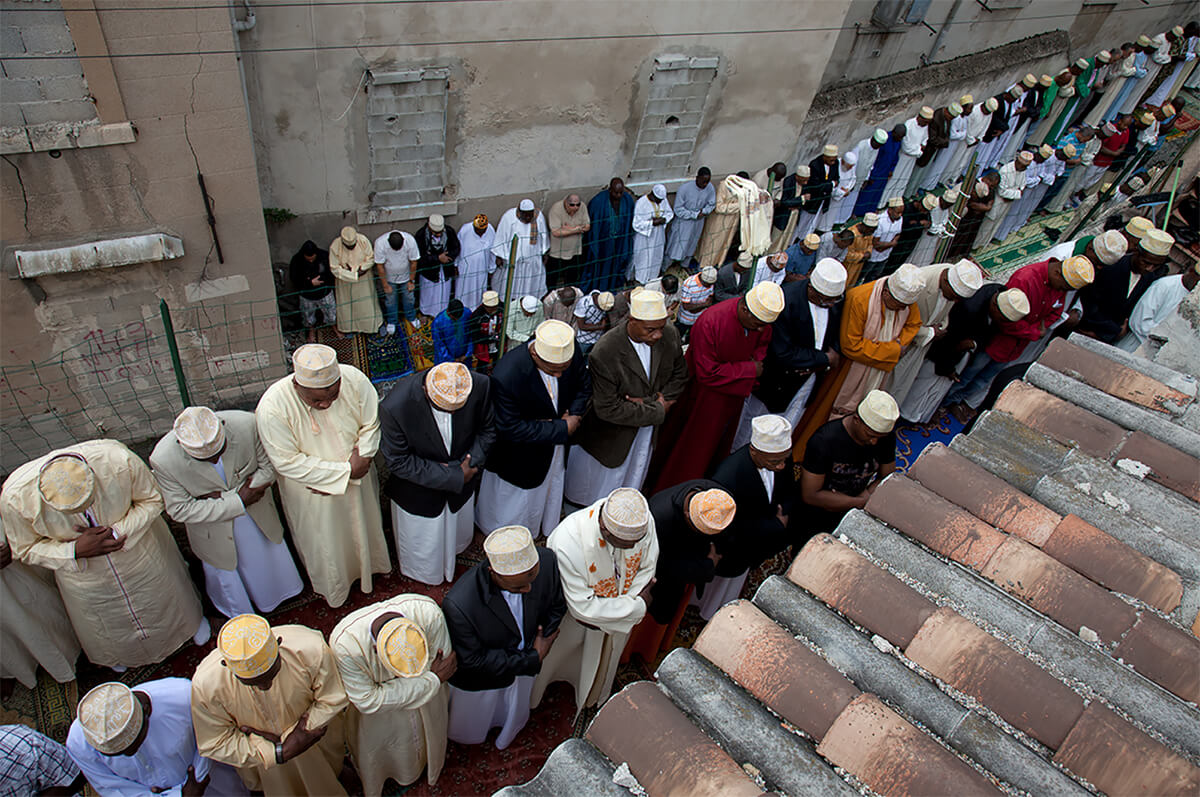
(352, 261)
(269, 701)
(92, 514)
(395, 658)
(320, 427)
(607, 554)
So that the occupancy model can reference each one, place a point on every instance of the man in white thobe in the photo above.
(320, 427)
(395, 658)
(693, 202)
(92, 513)
(916, 133)
(607, 554)
(1157, 304)
(475, 261)
(651, 214)
(136, 742)
(942, 286)
(939, 227)
(1010, 189)
(34, 627)
(977, 123)
(216, 479)
(533, 243)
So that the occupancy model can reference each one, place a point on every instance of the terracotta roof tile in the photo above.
(1113, 378)
(1060, 420)
(1164, 653)
(1169, 466)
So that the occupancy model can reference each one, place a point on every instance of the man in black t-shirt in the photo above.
(846, 458)
(312, 278)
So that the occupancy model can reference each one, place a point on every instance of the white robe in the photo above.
(911, 145)
(601, 584)
(162, 760)
(434, 295)
(862, 170)
(976, 125)
(504, 504)
(475, 263)
(692, 206)
(1155, 306)
(927, 392)
(529, 271)
(935, 314)
(396, 727)
(34, 627)
(840, 204)
(649, 240)
(310, 450)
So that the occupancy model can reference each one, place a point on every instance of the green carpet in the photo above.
(1022, 246)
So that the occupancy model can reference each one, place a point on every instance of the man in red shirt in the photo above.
(1045, 284)
(1113, 138)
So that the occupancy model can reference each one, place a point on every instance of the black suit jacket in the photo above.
(484, 633)
(969, 319)
(794, 356)
(757, 532)
(528, 425)
(730, 282)
(1107, 302)
(425, 477)
(427, 260)
(682, 550)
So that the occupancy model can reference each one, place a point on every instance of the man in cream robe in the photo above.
(216, 479)
(397, 726)
(607, 554)
(93, 514)
(269, 701)
(352, 261)
(320, 428)
(942, 285)
(34, 627)
(533, 242)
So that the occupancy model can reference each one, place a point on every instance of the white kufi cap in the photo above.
(316, 366)
(765, 301)
(626, 514)
(965, 278)
(199, 432)
(905, 283)
(828, 277)
(771, 434)
(878, 410)
(510, 551)
(554, 342)
(111, 717)
(648, 305)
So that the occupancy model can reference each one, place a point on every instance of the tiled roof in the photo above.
(1017, 612)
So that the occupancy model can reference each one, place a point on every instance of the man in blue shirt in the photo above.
(450, 340)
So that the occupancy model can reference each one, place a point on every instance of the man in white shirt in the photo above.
(916, 133)
(396, 258)
(1020, 208)
(772, 268)
(887, 235)
(591, 317)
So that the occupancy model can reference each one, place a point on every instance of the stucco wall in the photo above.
(116, 376)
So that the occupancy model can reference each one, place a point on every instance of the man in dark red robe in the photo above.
(728, 344)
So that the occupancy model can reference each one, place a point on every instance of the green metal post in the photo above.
(176, 363)
(508, 283)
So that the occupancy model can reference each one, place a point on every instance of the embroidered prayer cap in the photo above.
(871, 220)
(905, 284)
(199, 432)
(1136, 184)
(1110, 246)
(402, 647)
(349, 235)
(111, 717)
(529, 303)
(481, 221)
(880, 135)
(1070, 151)
(878, 410)
(1082, 63)
(966, 100)
(803, 170)
(1158, 242)
(711, 511)
(1045, 80)
(896, 202)
(1045, 150)
(659, 191)
(1077, 271)
(765, 301)
(626, 514)
(491, 299)
(981, 189)
(930, 201)
(316, 365)
(1025, 157)
(1138, 226)
(526, 204)
(554, 342)
(708, 275)
(1108, 129)
(448, 386)
(771, 434)
(812, 241)
(1029, 81)
(605, 300)
(1177, 30)
(965, 278)
(830, 150)
(1168, 109)
(828, 277)
(991, 104)
(67, 483)
(952, 195)
(850, 158)
(248, 646)
(1145, 117)
(510, 550)
(954, 109)
(1144, 41)
(1013, 304)
(648, 305)
(926, 112)
(437, 222)
(1104, 56)
(745, 259)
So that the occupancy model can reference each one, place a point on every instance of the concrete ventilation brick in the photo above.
(406, 136)
(671, 121)
(49, 90)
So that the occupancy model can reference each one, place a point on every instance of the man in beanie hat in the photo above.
(451, 334)
(638, 373)
(503, 616)
(437, 428)
(539, 392)
(314, 282)
(216, 479)
(475, 262)
(528, 226)
(725, 359)
(140, 742)
(320, 428)
(92, 514)
(269, 701)
(438, 248)
(606, 554)
(395, 658)
(651, 214)
(845, 460)
(1108, 301)
(351, 259)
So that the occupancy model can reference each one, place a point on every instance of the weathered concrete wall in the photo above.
(104, 367)
(547, 113)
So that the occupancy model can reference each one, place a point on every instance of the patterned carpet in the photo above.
(1021, 246)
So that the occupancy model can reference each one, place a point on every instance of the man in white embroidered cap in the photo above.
(216, 479)
(141, 741)
(650, 216)
(528, 226)
(320, 428)
(539, 393)
(607, 554)
(503, 616)
(92, 514)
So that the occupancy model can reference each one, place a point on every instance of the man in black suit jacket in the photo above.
(540, 391)
(436, 431)
(733, 278)
(1109, 301)
(502, 616)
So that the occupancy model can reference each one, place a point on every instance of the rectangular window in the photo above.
(406, 136)
(679, 89)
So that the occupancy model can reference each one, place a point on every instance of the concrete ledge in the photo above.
(370, 215)
(574, 767)
(41, 138)
(1169, 377)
